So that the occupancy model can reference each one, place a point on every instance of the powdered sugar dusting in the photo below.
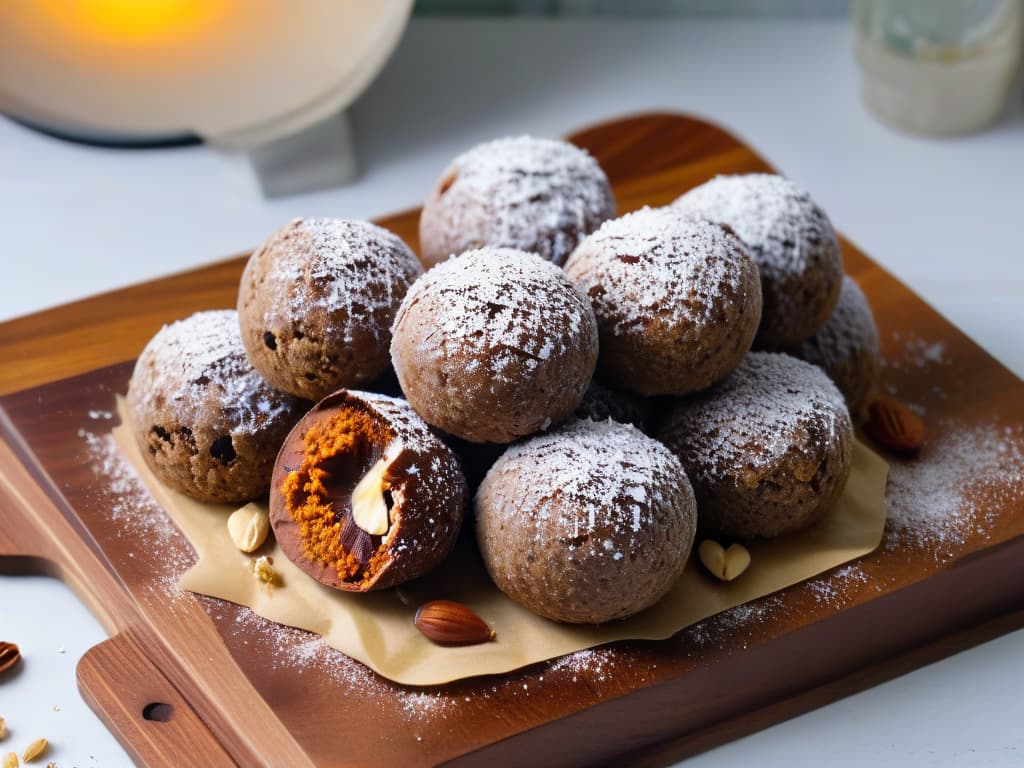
(192, 360)
(511, 309)
(835, 588)
(717, 631)
(138, 518)
(777, 220)
(346, 276)
(617, 478)
(654, 266)
(916, 352)
(951, 492)
(591, 664)
(536, 195)
(747, 423)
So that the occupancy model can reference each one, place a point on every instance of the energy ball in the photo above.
(534, 195)
(792, 241)
(677, 300)
(601, 402)
(364, 495)
(589, 523)
(494, 345)
(317, 300)
(768, 451)
(206, 422)
(847, 348)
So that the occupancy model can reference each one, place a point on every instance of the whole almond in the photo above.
(449, 623)
(893, 426)
(9, 656)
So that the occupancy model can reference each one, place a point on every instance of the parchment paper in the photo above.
(377, 628)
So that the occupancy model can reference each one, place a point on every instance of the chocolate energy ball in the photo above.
(792, 241)
(535, 195)
(847, 348)
(317, 300)
(206, 422)
(364, 495)
(493, 345)
(677, 300)
(591, 522)
(768, 450)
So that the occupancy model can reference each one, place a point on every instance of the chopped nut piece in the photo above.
(3, 729)
(369, 507)
(248, 527)
(724, 564)
(11, 760)
(36, 749)
(262, 567)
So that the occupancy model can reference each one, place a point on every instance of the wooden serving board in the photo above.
(188, 676)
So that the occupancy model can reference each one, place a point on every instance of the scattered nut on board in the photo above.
(263, 568)
(248, 527)
(34, 750)
(3, 729)
(449, 623)
(893, 426)
(9, 656)
(11, 760)
(724, 564)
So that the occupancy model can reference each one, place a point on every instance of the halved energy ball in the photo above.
(494, 345)
(316, 302)
(677, 300)
(205, 421)
(792, 241)
(535, 195)
(364, 496)
(588, 523)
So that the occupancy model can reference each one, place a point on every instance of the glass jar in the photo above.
(940, 67)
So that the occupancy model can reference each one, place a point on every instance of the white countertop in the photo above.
(942, 215)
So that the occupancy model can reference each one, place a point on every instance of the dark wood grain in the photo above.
(266, 702)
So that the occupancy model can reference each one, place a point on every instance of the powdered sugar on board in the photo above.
(133, 514)
(296, 652)
(952, 491)
(718, 630)
(916, 353)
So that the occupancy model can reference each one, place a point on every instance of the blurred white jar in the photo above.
(940, 67)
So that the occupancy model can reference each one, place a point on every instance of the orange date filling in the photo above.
(318, 494)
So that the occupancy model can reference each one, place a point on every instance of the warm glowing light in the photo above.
(133, 22)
